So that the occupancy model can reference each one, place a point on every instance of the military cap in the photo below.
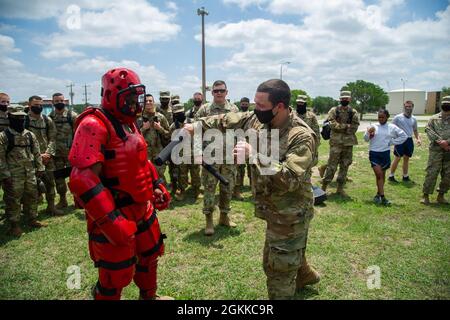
(16, 110)
(164, 94)
(178, 108)
(302, 98)
(346, 94)
(445, 100)
(175, 98)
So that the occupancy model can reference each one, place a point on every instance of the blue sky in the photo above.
(327, 42)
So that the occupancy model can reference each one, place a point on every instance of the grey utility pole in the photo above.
(202, 12)
(71, 94)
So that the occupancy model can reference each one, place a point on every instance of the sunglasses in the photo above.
(219, 90)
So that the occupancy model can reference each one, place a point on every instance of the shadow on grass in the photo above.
(220, 232)
(5, 237)
(306, 293)
(337, 198)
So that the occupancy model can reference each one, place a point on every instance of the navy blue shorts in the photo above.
(382, 159)
(404, 149)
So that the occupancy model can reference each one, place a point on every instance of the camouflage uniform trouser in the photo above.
(49, 181)
(283, 257)
(438, 162)
(210, 183)
(183, 178)
(240, 174)
(23, 189)
(61, 186)
(341, 156)
(161, 170)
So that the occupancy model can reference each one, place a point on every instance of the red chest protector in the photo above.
(126, 170)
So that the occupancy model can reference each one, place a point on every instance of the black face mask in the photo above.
(180, 117)
(36, 109)
(345, 103)
(18, 124)
(59, 106)
(164, 104)
(3, 107)
(244, 109)
(445, 107)
(265, 116)
(301, 108)
(198, 103)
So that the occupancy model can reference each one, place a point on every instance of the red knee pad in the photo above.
(146, 276)
(149, 239)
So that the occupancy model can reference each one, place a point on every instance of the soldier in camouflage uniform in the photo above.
(281, 188)
(164, 108)
(45, 131)
(308, 116)
(63, 120)
(20, 162)
(175, 99)
(240, 170)
(219, 106)
(344, 123)
(195, 169)
(4, 103)
(181, 171)
(438, 131)
(155, 129)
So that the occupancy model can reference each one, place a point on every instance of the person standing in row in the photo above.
(438, 131)
(344, 123)
(63, 119)
(381, 136)
(408, 123)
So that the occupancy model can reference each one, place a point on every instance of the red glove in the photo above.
(161, 196)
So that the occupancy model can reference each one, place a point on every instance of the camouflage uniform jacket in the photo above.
(440, 126)
(284, 197)
(311, 120)
(167, 113)
(24, 155)
(155, 140)
(45, 136)
(340, 134)
(64, 131)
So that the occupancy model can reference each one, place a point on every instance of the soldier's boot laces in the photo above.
(62, 202)
(237, 195)
(425, 199)
(306, 276)
(209, 229)
(224, 220)
(15, 230)
(441, 199)
(341, 191)
(51, 208)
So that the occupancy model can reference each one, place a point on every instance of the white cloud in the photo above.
(245, 3)
(8, 45)
(334, 42)
(97, 24)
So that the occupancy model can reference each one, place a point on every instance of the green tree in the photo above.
(298, 92)
(189, 105)
(366, 96)
(78, 108)
(323, 104)
(445, 91)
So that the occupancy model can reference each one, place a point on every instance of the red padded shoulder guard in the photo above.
(90, 135)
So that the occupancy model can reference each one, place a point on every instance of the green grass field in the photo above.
(409, 242)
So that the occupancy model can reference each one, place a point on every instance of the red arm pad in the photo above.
(158, 183)
(100, 207)
(90, 193)
(89, 137)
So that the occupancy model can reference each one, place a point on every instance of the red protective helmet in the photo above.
(123, 95)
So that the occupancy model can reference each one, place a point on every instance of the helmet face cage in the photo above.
(130, 101)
